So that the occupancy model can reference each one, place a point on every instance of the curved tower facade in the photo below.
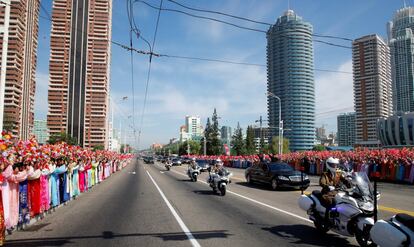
(401, 42)
(290, 77)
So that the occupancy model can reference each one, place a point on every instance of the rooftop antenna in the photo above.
(289, 4)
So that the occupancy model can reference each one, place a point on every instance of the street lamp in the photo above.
(270, 94)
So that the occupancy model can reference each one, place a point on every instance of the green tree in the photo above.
(274, 147)
(195, 147)
(62, 137)
(214, 147)
(266, 149)
(98, 147)
(319, 148)
(249, 142)
(237, 142)
(262, 145)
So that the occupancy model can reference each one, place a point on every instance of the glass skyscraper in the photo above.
(290, 77)
(401, 42)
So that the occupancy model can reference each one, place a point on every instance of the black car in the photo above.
(176, 162)
(204, 164)
(277, 175)
(149, 160)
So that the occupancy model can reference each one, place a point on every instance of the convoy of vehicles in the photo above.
(353, 214)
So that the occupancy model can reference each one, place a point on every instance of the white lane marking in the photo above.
(258, 202)
(132, 172)
(187, 232)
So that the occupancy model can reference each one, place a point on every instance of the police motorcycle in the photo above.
(218, 181)
(193, 172)
(353, 212)
(168, 164)
(395, 232)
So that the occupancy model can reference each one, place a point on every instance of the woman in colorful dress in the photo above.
(2, 221)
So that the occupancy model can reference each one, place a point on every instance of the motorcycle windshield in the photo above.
(363, 185)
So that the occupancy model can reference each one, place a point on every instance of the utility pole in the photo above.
(261, 133)
(281, 137)
(205, 146)
(188, 147)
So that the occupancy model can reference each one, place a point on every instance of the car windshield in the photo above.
(280, 167)
(202, 162)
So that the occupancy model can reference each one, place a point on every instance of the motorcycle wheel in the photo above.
(274, 184)
(321, 227)
(223, 190)
(168, 168)
(248, 180)
(363, 238)
(195, 178)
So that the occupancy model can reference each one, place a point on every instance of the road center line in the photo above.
(185, 229)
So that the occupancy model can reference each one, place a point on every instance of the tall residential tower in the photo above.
(290, 77)
(372, 87)
(401, 41)
(19, 21)
(79, 70)
(346, 129)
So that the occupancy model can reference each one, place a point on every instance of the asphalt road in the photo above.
(144, 205)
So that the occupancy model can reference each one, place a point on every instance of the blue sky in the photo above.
(179, 87)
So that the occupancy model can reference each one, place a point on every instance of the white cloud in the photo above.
(334, 95)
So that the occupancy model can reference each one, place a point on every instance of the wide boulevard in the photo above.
(145, 205)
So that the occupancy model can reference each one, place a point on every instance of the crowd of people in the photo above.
(35, 178)
(393, 165)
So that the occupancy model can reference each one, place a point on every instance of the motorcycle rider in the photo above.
(192, 165)
(329, 181)
(216, 169)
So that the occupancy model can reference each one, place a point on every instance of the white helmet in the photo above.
(193, 159)
(219, 162)
(332, 164)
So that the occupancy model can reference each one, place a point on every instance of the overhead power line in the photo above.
(238, 26)
(200, 17)
(149, 74)
(248, 19)
(212, 59)
(219, 13)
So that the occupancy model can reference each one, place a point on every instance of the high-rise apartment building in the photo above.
(79, 70)
(372, 87)
(226, 135)
(346, 129)
(290, 77)
(320, 133)
(401, 42)
(19, 22)
(193, 126)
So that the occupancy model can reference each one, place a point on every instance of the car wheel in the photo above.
(248, 180)
(274, 184)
